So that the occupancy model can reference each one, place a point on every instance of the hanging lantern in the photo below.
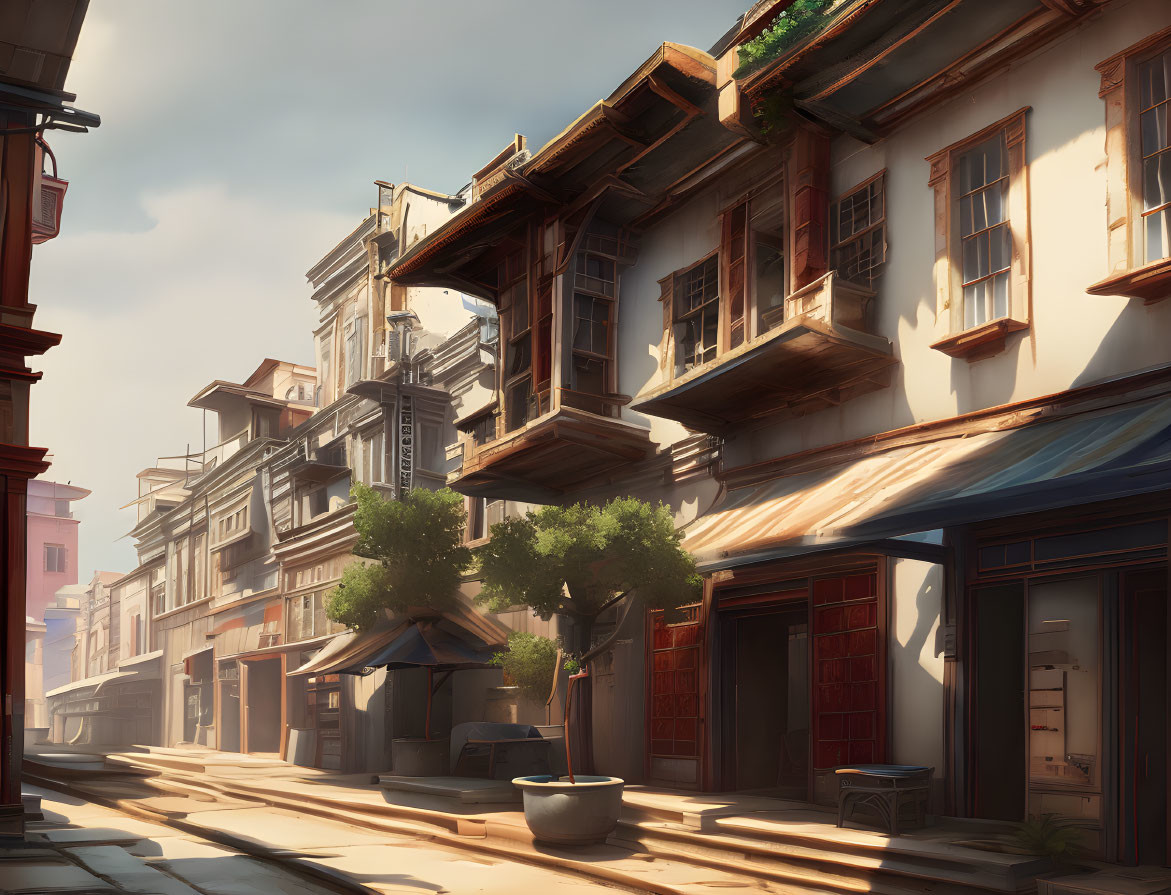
(48, 196)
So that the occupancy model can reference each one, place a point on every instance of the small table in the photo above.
(885, 788)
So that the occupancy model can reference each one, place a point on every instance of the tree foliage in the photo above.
(531, 662)
(801, 18)
(417, 554)
(576, 559)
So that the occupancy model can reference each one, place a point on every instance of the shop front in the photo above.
(1065, 640)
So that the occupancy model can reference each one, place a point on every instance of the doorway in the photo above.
(1143, 718)
(769, 654)
(263, 713)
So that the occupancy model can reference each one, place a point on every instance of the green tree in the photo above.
(530, 661)
(580, 560)
(415, 552)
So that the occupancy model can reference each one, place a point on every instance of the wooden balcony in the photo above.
(558, 452)
(816, 353)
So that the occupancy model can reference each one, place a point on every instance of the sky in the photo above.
(239, 142)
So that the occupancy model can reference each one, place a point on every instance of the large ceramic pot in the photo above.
(564, 813)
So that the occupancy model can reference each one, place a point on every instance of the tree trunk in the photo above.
(581, 719)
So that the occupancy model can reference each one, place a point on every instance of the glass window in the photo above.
(55, 558)
(858, 233)
(984, 231)
(697, 314)
(1154, 119)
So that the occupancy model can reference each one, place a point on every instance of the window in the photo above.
(61, 508)
(199, 567)
(518, 347)
(355, 337)
(1154, 115)
(477, 526)
(858, 232)
(372, 458)
(985, 234)
(981, 250)
(179, 571)
(316, 502)
(55, 558)
(307, 617)
(697, 314)
(324, 353)
(158, 591)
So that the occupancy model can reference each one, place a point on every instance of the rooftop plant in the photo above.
(796, 21)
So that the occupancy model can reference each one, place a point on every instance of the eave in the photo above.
(551, 455)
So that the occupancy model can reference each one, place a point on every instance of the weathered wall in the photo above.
(915, 683)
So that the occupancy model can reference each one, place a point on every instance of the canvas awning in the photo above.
(459, 637)
(1072, 460)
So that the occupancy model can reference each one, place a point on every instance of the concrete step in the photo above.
(824, 863)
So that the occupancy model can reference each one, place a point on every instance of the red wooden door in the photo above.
(849, 681)
(674, 732)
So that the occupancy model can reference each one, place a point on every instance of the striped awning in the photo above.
(1077, 459)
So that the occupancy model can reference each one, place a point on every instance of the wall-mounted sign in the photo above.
(406, 444)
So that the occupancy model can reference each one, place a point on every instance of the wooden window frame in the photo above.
(1130, 275)
(990, 337)
(669, 288)
(837, 245)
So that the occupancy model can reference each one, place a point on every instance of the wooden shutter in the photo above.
(809, 192)
(849, 680)
(675, 710)
(734, 252)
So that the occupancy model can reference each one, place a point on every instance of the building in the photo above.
(52, 542)
(879, 314)
(35, 52)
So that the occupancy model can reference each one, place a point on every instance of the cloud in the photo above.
(212, 287)
(239, 142)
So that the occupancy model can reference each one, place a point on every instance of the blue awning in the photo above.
(1076, 459)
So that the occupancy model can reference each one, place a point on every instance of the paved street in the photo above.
(91, 849)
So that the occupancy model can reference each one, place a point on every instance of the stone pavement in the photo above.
(85, 849)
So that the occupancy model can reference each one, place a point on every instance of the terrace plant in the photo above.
(800, 19)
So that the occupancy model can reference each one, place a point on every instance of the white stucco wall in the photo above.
(915, 681)
(1074, 339)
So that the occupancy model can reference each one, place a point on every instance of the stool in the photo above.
(886, 789)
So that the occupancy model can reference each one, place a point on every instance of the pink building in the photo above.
(52, 543)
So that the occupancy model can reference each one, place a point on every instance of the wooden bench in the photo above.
(886, 789)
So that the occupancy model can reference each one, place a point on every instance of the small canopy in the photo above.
(459, 637)
(427, 644)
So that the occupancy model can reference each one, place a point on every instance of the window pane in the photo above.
(1000, 295)
(1153, 78)
(1001, 247)
(1158, 235)
(973, 305)
(1157, 181)
(1154, 128)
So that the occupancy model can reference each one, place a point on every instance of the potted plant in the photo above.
(415, 558)
(578, 562)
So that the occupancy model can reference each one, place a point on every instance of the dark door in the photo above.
(1143, 718)
(998, 720)
(771, 656)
